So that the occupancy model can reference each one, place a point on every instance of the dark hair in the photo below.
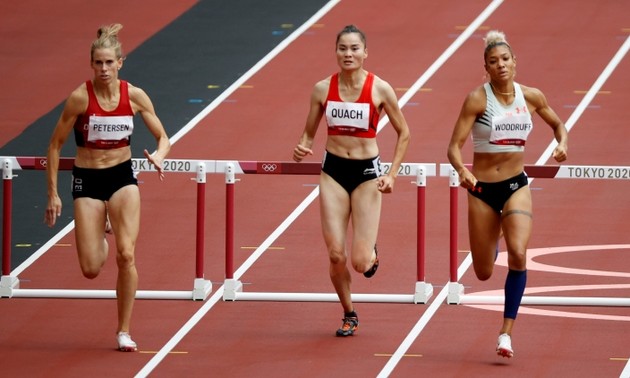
(352, 29)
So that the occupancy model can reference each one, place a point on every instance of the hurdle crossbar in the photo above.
(531, 300)
(324, 297)
(10, 284)
(589, 172)
(233, 288)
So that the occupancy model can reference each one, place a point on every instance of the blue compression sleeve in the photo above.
(514, 289)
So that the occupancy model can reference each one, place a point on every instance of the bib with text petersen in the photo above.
(348, 115)
(109, 128)
(511, 129)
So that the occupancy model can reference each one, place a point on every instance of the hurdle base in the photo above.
(455, 293)
(7, 285)
(230, 288)
(424, 291)
(201, 289)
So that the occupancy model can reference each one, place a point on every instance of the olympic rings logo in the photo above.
(269, 167)
(43, 162)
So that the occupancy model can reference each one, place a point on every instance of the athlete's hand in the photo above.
(560, 153)
(157, 163)
(300, 152)
(466, 179)
(385, 184)
(53, 210)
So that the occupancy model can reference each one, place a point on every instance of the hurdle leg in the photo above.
(201, 286)
(424, 290)
(7, 282)
(455, 289)
(231, 286)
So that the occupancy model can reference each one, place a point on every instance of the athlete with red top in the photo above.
(351, 182)
(103, 184)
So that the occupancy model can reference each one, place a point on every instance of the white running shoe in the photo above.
(504, 346)
(125, 343)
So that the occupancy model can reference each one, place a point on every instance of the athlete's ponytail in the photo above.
(107, 37)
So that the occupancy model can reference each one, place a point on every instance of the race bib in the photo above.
(109, 128)
(348, 114)
(511, 129)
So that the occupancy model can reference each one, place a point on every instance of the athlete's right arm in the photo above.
(461, 132)
(316, 111)
(75, 105)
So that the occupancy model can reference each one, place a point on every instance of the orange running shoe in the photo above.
(350, 324)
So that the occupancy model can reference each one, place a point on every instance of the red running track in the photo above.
(560, 50)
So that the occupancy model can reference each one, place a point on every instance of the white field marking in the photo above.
(168, 347)
(439, 299)
(597, 85)
(43, 249)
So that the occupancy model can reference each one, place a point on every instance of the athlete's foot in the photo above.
(350, 324)
(504, 346)
(125, 344)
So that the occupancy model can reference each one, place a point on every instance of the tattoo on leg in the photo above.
(516, 211)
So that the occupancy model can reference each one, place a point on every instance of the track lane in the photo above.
(547, 223)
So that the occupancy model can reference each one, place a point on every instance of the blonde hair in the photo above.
(107, 38)
(493, 39)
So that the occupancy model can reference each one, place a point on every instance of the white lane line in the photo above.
(422, 322)
(218, 295)
(590, 95)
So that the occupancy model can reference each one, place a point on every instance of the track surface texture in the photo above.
(211, 58)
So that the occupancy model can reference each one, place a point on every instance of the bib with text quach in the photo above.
(110, 128)
(348, 114)
(511, 129)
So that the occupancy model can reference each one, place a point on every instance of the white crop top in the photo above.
(502, 128)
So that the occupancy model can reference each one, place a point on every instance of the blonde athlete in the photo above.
(498, 114)
(100, 111)
(351, 181)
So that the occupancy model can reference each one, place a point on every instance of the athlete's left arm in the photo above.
(141, 103)
(386, 98)
(538, 100)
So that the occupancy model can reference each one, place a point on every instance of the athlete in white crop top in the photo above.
(502, 128)
(498, 116)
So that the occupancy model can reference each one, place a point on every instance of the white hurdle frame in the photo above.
(233, 288)
(10, 283)
(589, 172)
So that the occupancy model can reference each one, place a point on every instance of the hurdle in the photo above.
(10, 283)
(233, 288)
(581, 172)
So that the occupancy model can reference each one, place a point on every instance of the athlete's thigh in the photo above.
(334, 211)
(517, 219)
(366, 212)
(484, 228)
(124, 215)
(89, 225)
